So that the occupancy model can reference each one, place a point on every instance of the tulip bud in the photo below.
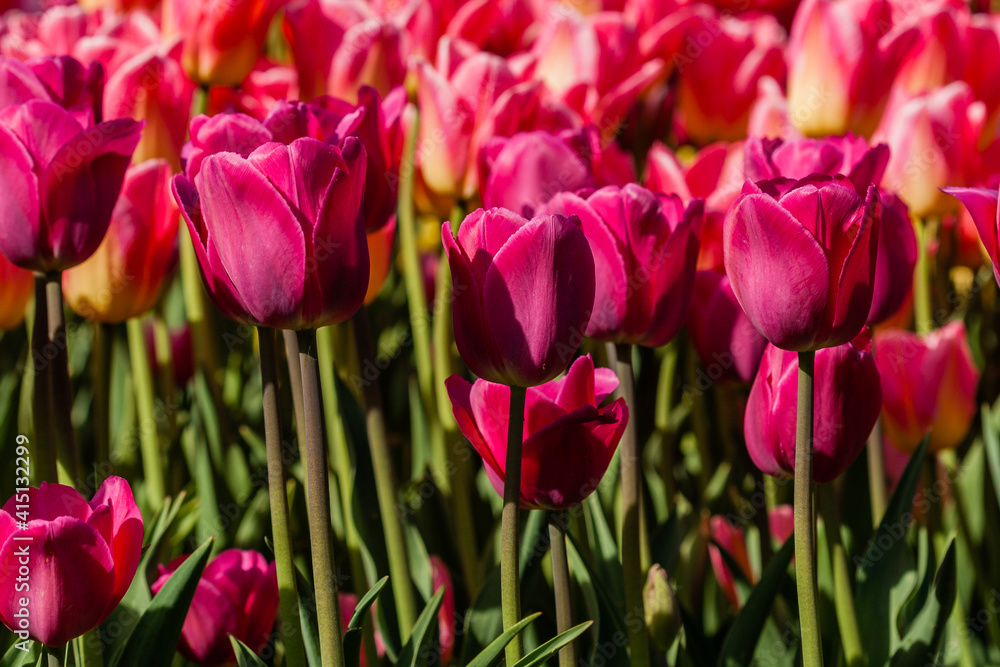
(124, 277)
(81, 559)
(800, 256)
(929, 383)
(237, 595)
(16, 288)
(523, 293)
(660, 604)
(560, 415)
(847, 400)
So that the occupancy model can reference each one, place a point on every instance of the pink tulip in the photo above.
(732, 538)
(982, 38)
(721, 332)
(934, 141)
(48, 31)
(939, 52)
(294, 210)
(498, 26)
(981, 204)
(737, 52)
(645, 247)
(16, 288)
(801, 259)
(127, 272)
(441, 578)
(896, 260)
(64, 180)
(61, 80)
(523, 293)
(568, 440)
(929, 383)
(81, 558)
(842, 60)
(237, 595)
(847, 400)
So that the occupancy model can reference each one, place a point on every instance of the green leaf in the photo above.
(741, 640)
(355, 629)
(885, 573)
(493, 654)
(15, 657)
(551, 647)
(307, 619)
(413, 653)
(244, 656)
(991, 442)
(696, 646)
(924, 634)
(154, 640)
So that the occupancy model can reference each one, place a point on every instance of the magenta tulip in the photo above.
(279, 234)
(237, 595)
(801, 259)
(61, 80)
(81, 558)
(645, 247)
(523, 293)
(568, 440)
(982, 206)
(847, 399)
(897, 258)
(63, 181)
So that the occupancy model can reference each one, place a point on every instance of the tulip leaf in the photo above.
(551, 647)
(154, 640)
(605, 548)
(244, 656)
(610, 609)
(307, 619)
(493, 654)
(696, 645)
(923, 635)
(413, 653)
(991, 442)
(741, 640)
(17, 656)
(885, 572)
(355, 629)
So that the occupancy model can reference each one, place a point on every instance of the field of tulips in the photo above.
(499, 332)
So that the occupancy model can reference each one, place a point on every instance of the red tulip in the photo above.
(523, 293)
(568, 440)
(929, 383)
(847, 400)
(498, 26)
(64, 180)
(441, 578)
(237, 595)
(16, 288)
(645, 247)
(81, 558)
(733, 539)
(801, 259)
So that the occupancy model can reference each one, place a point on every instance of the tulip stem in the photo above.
(510, 579)
(876, 473)
(631, 471)
(291, 340)
(385, 484)
(922, 279)
(288, 598)
(561, 582)
(61, 392)
(850, 636)
(100, 365)
(149, 442)
(44, 464)
(805, 520)
(318, 503)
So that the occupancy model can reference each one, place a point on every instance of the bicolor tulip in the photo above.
(939, 52)
(568, 439)
(63, 180)
(82, 558)
(124, 277)
(279, 234)
(16, 288)
(800, 256)
(929, 384)
(222, 38)
(842, 59)
(981, 203)
(847, 399)
(380, 258)
(645, 247)
(237, 595)
(523, 292)
(721, 332)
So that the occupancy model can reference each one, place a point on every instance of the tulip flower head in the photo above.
(568, 439)
(237, 595)
(981, 204)
(846, 404)
(801, 258)
(523, 292)
(81, 557)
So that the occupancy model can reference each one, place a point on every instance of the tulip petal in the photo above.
(576, 388)
(20, 232)
(127, 531)
(52, 501)
(483, 233)
(210, 619)
(982, 205)
(43, 127)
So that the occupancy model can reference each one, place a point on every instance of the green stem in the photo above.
(876, 473)
(922, 280)
(100, 366)
(318, 502)
(850, 636)
(385, 484)
(510, 580)
(149, 440)
(805, 520)
(288, 598)
(60, 390)
(561, 583)
(44, 466)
